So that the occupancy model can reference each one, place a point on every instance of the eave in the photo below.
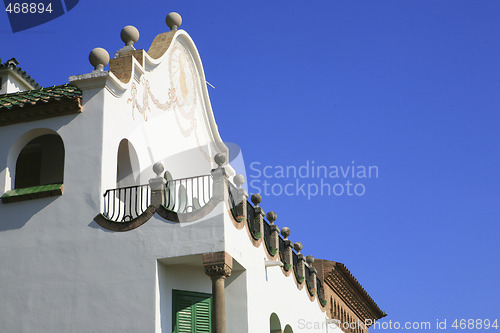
(346, 286)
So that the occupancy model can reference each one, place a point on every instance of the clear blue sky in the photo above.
(412, 87)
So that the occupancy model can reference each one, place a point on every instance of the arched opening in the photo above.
(288, 329)
(40, 162)
(127, 167)
(275, 324)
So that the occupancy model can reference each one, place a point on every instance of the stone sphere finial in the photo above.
(256, 199)
(271, 216)
(158, 168)
(310, 259)
(285, 232)
(298, 247)
(220, 159)
(130, 35)
(99, 58)
(239, 180)
(174, 20)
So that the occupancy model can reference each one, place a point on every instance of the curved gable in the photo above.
(161, 98)
(173, 86)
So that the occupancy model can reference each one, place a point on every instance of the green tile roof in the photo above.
(35, 96)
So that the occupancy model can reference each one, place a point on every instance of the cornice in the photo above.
(41, 110)
(343, 283)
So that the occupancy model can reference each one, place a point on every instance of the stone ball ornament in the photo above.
(239, 180)
(297, 246)
(256, 199)
(129, 35)
(285, 232)
(310, 259)
(220, 159)
(271, 216)
(99, 58)
(174, 20)
(158, 168)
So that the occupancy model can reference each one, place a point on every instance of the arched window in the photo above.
(127, 167)
(275, 324)
(36, 162)
(40, 162)
(288, 329)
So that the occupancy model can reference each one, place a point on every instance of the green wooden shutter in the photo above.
(192, 312)
(184, 316)
(203, 316)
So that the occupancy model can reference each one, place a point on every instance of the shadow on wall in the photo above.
(127, 169)
(94, 225)
(184, 274)
(35, 159)
(236, 298)
(189, 163)
(16, 215)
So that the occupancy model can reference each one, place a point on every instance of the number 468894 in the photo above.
(474, 324)
(28, 8)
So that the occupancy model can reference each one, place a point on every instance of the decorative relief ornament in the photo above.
(218, 270)
(181, 96)
(183, 79)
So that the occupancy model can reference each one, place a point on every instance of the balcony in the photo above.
(181, 196)
(189, 199)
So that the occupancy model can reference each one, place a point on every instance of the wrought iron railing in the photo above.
(232, 193)
(251, 217)
(180, 195)
(267, 235)
(187, 195)
(295, 261)
(126, 203)
(281, 249)
(307, 274)
(320, 291)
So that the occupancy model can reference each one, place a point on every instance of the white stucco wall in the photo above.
(61, 272)
(270, 292)
(183, 137)
(177, 277)
(11, 82)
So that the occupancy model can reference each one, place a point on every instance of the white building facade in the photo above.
(121, 213)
